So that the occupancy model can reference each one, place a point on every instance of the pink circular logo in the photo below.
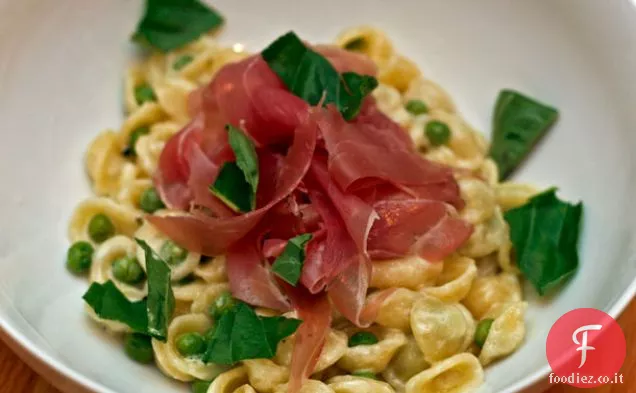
(585, 348)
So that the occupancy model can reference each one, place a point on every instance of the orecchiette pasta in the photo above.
(407, 362)
(156, 240)
(491, 291)
(431, 93)
(112, 327)
(333, 350)
(104, 163)
(506, 333)
(398, 72)
(207, 296)
(410, 272)
(350, 384)
(149, 147)
(458, 374)
(130, 192)
(123, 218)
(310, 386)
(479, 198)
(189, 291)
(134, 77)
(170, 360)
(172, 95)
(511, 195)
(441, 330)
(106, 254)
(370, 41)
(373, 357)
(212, 271)
(455, 281)
(395, 311)
(229, 381)
(487, 237)
(264, 375)
(245, 389)
(148, 114)
(468, 146)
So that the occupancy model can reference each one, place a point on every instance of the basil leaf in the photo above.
(241, 334)
(110, 304)
(246, 158)
(310, 76)
(289, 264)
(219, 348)
(354, 89)
(160, 301)
(545, 234)
(519, 122)
(237, 182)
(231, 187)
(170, 24)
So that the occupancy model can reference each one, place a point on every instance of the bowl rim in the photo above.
(60, 375)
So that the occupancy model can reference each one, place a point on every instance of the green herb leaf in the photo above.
(237, 182)
(170, 24)
(241, 334)
(110, 304)
(289, 264)
(246, 157)
(160, 301)
(310, 76)
(519, 122)
(231, 187)
(353, 89)
(545, 233)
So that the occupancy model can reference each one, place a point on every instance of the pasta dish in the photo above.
(311, 218)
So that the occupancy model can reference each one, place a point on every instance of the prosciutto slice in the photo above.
(416, 226)
(252, 281)
(361, 155)
(315, 312)
(214, 235)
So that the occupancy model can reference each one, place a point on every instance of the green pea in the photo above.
(362, 338)
(144, 93)
(437, 132)
(130, 151)
(100, 228)
(150, 201)
(225, 302)
(416, 107)
(190, 344)
(79, 257)
(172, 253)
(482, 330)
(182, 62)
(128, 270)
(357, 44)
(138, 347)
(364, 374)
(201, 386)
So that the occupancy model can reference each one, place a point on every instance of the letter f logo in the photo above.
(583, 343)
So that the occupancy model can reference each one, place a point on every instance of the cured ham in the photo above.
(214, 235)
(360, 188)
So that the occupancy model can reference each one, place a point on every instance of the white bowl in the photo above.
(61, 68)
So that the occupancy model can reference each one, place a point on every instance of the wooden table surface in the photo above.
(17, 377)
